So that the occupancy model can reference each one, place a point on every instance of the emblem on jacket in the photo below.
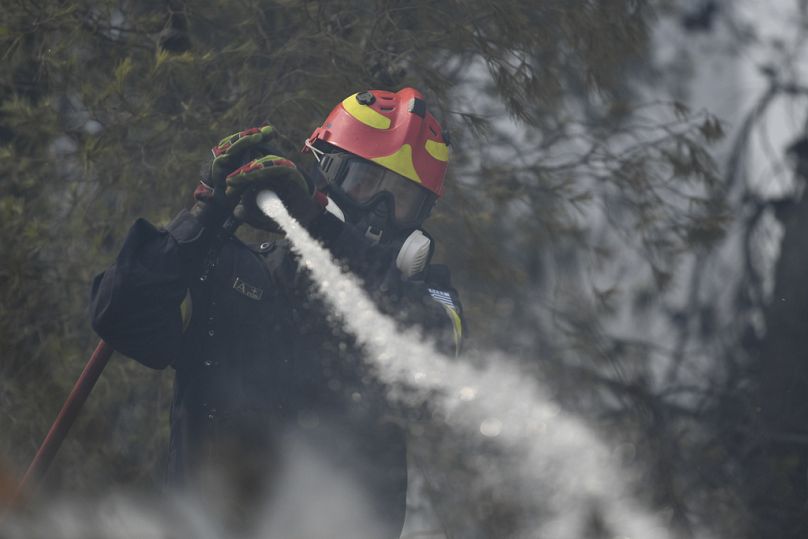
(252, 292)
(442, 297)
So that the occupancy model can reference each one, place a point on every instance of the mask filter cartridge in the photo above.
(414, 254)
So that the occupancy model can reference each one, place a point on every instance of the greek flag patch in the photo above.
(442, 297)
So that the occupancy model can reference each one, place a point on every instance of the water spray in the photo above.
(496, 400)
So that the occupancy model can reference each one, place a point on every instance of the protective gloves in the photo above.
(231, 152)
(281, 176)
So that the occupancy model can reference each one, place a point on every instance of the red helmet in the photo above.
(393, 130)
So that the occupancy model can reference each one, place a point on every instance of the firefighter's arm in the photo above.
(136, 303)
(434, 305)
(450, 304)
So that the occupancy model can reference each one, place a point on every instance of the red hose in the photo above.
(67, 415)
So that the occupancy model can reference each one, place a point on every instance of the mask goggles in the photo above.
(364, 183)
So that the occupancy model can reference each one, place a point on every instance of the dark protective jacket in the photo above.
(257, 354)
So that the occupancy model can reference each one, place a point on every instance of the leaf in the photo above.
(711, 129)
(681, 110)
(160, 57)
(122, 70)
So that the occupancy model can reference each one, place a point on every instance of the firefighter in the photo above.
(256, 354)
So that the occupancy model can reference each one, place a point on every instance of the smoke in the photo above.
(312, 499)
(490, 397)
(339, 508)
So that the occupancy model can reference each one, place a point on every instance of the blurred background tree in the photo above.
(583, 199)
(740, 317)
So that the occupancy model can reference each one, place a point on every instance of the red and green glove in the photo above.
(231, 153)
(229, 185)
(281, 176)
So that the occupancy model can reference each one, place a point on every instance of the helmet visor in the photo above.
(363, 182)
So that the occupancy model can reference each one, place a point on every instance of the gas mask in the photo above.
(382, 204)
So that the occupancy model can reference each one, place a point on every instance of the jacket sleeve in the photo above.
(433, 304)
(135, 304)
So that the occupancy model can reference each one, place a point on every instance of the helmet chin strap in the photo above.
(377, 221)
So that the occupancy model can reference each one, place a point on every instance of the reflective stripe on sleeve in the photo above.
(186, 310)
(457, 327)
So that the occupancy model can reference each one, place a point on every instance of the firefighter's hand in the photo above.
(280, 176)
(231, 153)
